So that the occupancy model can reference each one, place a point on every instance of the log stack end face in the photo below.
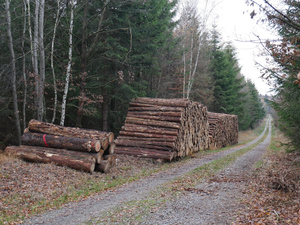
(163, 128)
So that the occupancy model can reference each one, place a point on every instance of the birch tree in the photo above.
(13, 71)
(191, 29)
(68, 73)
(52, 59)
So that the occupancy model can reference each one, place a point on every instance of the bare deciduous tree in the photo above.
(13, 71)
(64, 101)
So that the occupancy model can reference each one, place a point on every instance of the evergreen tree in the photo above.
(225, 70)
(286, 74)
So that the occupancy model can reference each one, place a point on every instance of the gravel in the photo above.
(210, 203)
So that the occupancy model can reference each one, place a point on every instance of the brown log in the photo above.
(53, 129)
(149, 129)
(153, 113)
(146, 153)
(104, 166)
(111, 158)
(166, 145)
(75, 160)
(52, 141)
(135, 120)
(145, 135)
(163, 102)
(156, 108)
(131, 138)
(160, 118)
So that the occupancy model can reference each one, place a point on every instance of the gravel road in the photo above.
(215, 207)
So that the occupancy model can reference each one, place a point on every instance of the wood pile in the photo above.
(82, 149)
(163, 129)
(223, 130)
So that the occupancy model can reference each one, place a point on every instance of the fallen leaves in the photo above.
(266, 205)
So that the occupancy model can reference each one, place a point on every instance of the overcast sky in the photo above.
(233, 21)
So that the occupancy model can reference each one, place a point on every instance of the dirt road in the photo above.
(216, 206)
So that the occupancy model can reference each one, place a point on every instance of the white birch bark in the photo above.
(13, 71)
(64, 101)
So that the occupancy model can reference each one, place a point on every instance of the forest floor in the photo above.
(227, 186)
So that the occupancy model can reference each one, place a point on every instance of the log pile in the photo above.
(163, 129)
(223, 130)
(81, 149)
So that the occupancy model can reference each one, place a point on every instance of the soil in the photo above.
(214, 201)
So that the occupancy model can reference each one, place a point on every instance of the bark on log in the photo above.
(53, 129)
(76, 160)
(52, 141)
(135, 120)
(146, 153)
(157, 109)
(164, 145)
(163, 102)
(151, 113)
(146, 135)
(149, 129)
(159, 118)
(104, 167)
(110, 158)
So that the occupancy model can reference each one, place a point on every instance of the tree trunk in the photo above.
(35, 56)
(13, 71)
(75, 160)
(41, 61)
(52, 60)
(64, 101)
(71, 143)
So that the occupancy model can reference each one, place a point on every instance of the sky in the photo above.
(233, 21)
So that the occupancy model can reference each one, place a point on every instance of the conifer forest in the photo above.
(80, 63)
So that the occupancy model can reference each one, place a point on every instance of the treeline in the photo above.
(284, 69)
(79, 63)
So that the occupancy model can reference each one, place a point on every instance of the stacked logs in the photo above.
(81, 149)
(223, 130)
(163, 129)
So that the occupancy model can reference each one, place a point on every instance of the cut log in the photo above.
(156, 108)
(131, 138)
(164, 145)
(149, 129)
(135, 120)
(76, 160)
(105, 138)
(159, 118)
(223, 130)
(146, 135)
(163, 102)
(110, 158)
(146, 153)
(104, 166)
(52, 141)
